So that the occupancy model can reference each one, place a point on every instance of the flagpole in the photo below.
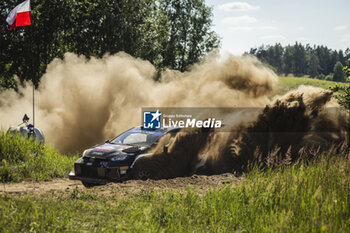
(33, 104)
(24, 10)
(33, 74)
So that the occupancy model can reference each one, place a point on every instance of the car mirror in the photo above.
(107, 141)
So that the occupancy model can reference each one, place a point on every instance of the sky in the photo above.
(249, 24)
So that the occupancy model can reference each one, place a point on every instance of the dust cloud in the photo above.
(82, 102)
(285, 130)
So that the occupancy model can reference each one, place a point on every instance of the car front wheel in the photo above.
(142, 175)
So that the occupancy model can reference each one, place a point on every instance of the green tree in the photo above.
(190, 36)
(289, 62)
(148, 29)
(274, 57)
(339, 75)
(343, 91)
(323, 54)
(27, 50)
(347, 68)
(313, 65)
(299, 56)
(278, 57)
(300, 60)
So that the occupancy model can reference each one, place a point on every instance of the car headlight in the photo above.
(119, 157)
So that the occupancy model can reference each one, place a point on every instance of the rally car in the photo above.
(114, 160)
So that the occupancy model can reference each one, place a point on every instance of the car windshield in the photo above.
(137, 137)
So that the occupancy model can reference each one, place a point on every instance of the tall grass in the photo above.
(303, 197)
(25, 159)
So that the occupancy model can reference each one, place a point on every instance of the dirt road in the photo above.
(197, 182)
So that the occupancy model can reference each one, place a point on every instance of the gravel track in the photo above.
(200, 183)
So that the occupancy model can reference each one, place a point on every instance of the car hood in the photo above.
(109, 150)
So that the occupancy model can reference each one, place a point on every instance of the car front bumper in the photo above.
(98, 175)
(72, 176)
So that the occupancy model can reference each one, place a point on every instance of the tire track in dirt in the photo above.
(200, 183)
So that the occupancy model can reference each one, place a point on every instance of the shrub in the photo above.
(26, 159)
(320, 76)
(329, 77)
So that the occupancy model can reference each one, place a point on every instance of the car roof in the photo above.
(163, 130)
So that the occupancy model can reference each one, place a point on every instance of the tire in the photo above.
(142, 175)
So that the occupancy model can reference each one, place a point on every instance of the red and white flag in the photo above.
(20, 15)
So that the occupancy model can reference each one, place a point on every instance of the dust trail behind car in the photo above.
(303, 122)
(83, 102)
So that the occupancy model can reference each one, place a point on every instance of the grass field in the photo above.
(286, 84)
(312, 197)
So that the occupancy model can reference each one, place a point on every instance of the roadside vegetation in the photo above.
(308, 196)
(289, 83)
(343, 91)
(168, 33)
(318, 62)
(25, 159)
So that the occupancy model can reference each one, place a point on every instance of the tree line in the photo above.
(316, 61)
(168, 33)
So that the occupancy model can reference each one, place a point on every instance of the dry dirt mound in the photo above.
(197, 182)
